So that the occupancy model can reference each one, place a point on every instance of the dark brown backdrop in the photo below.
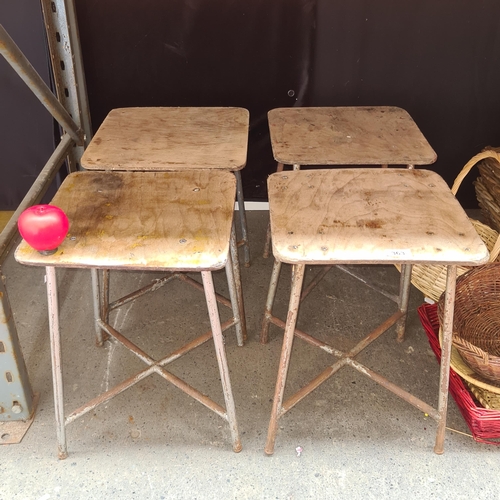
(26, 127)
(437, 59)
(256, 54)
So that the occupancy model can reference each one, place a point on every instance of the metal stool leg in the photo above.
(221, 357)
(444, 375)
(96, 300)
(267, 246)
(55, 352)
(100, 291)
(233, 251)
(105, 295)
(235, 303)
(97, 297)
(271, 294)
(404, 297)
(243, 218)
(293, 309)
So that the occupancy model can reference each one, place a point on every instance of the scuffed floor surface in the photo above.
(355, 439)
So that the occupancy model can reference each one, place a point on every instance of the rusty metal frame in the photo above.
(243, 219)
(103, 307)
(280, 407)
(267, 251)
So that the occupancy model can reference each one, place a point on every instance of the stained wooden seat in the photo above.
(341, 136)
(364, 216)
(351, 135)
(172, 139)
(172, 221)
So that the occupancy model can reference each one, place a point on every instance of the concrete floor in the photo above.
(154, 442)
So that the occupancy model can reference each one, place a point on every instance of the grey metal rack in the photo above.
(70, 109)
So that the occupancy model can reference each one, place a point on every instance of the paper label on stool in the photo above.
(399, 254)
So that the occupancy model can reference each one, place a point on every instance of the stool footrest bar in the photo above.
(314, 384)
(199, 286)
(106, 396)
(191, 391)
(310, 287)
(153, 286)
(126, 343)
(345, 359)
(307, 338)
(194, 343)
(410, 398)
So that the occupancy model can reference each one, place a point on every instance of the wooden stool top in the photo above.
(364, 215)
(170, 139)
(380, 135)
(143, 220)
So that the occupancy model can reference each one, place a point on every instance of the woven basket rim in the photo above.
(483, 422)
(478, 329)
(461, 368)
(487, 399)
(479, 352)
(484, 364)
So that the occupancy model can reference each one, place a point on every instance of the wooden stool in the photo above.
(365, 216)
(171, 139)
(174, 221)
(375, 135)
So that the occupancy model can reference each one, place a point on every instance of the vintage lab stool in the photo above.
(342, 136)
(171, 139)
(169, 221)
(365, 216)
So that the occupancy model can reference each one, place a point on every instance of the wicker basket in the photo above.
(476, 320)
(431, 280)
(488, 399)
(479, 407)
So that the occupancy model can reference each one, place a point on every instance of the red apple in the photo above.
(43, 227)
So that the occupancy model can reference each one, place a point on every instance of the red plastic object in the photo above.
(43, 227)
(484, 423)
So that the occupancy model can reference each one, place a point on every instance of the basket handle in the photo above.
(468, 166)
(495, 251)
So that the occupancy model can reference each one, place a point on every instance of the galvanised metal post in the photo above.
(16, 395)
(67, 67)
(72, 113)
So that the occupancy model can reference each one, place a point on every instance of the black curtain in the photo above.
(436, 59)
(26, 127)
(256, 54)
